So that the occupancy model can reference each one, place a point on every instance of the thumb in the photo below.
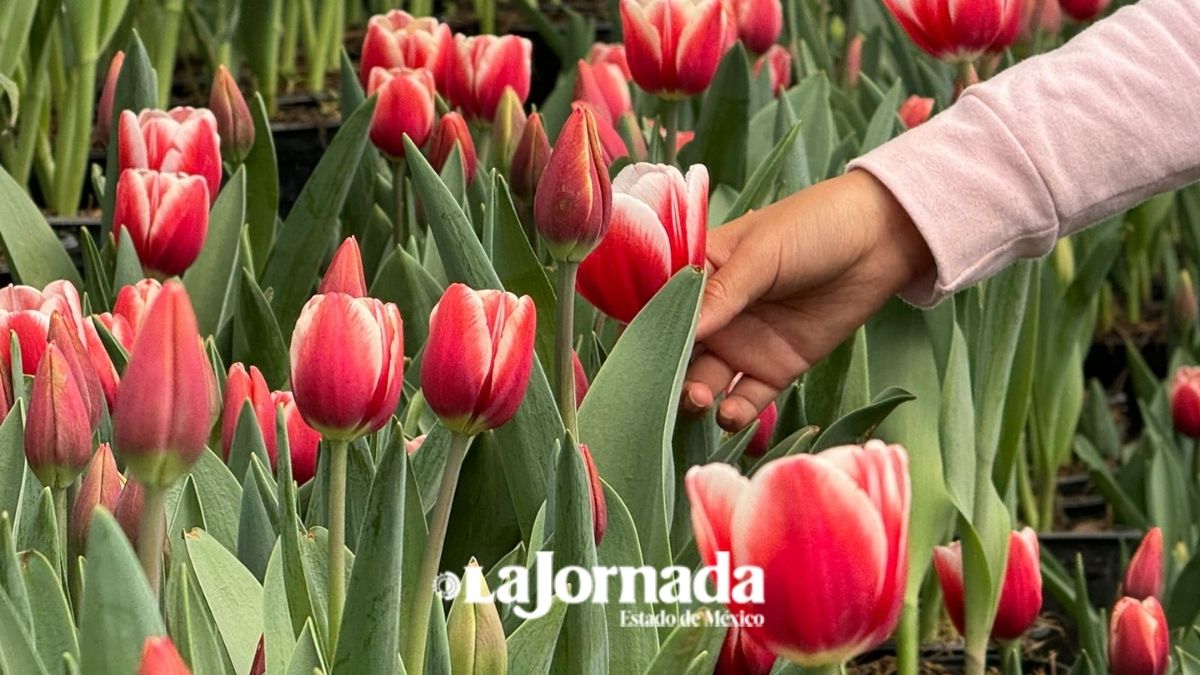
(734, 286)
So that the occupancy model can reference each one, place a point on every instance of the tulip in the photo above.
(478, 357)
(159, 657)
(235, 126)
(475, 632)
(596, 495)
(399, 40)
(673, 46)
(853, 70)
(848, 534)
(303, 440)
(1185, 401)
(134, 300)
(760, 443)
(26, 311)
(574, 199)
(247, 386)
(959, 30)
(80, 364)
(1020, 595)
(181, 140)
(412, 445)
(452, 132)
(1144, 576)
(613, 54)
(915, 111)
(100, 486)
(345, 272)
(1185, 312)
(166, 215)
(259, 665)
(104, 108)
(759, 23)
(507, 128)
(778, 62)
(6, 394)
(58, 433)
(405, 106)
(741, 655)
(605, 87)
(97, 353)
(1083, 10)
(659, 225)
(1040, 15)
(473, 72)
(581, 379)
(128, 511)
(530, 159)
(1138, 639)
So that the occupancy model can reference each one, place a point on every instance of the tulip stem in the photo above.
(1010, 660)
(60, 513)
(151, 534)
(399, 229)
(670, 113)
(564, 339)
(337, 538)
(418, 631)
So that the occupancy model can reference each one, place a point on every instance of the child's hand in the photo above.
(791, 282)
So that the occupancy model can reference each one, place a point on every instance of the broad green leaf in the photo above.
(128, 269)
(277, 621)
(683, 645)
(825, 383)
(192, 626)
(97, 277)
(859, 426)
(53, 624)
(630, 650)
(307, 658)
(262, 185)
(11, 581)
(1125, 506)
(482, 488)
(211, 279)
(883, 123)
(256, 535)
(12, 459)
(402, 280)
(233, 595)
(247, 442)
(758, 187)
(17, 652)
(257, 337)
(518, 266)
(1183, 605)
(724, 125)
(531, 645)
(33, 252)
(221, 496)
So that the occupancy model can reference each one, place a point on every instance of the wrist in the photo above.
(895, 247)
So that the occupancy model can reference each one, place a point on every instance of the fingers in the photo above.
(742, 406)
(745, 277)
(707, 377)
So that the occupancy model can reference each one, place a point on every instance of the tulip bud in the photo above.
(478, 357)
(1184, 309)
(474, 72)
(581, 379)
(235, 126)
(761, 442)
(166, 215)
(167, 400)
(1138, 639)
(573, 203)
(259, 666)
(1083, 10)
(1020, 595)
(400, 40)
(412, 445)
(596, 494)
(133, 301)
(181, 140)
(741, 655)
(853, 69)
(100, 486)
(345, 272)
(477, 645)
(759, 23)
(82, 370)
(915, 111)
(159, 657)
(1185, 401)
(452, 131)
(663, 62)
(241, 387)
(128, 512)
(507, 128)
(530, 158)
(778, 62)
(303, 440)
(97, 353)
(405, 106)
(104, 107)
(26, 312)
(58, 433)
(1144, 576)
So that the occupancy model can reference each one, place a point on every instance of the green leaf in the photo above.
(724, 125)
(34, 254)
(825, 383)
(629, 651)
(262, 181)
(96, 275)
(1184, 604)
(256, 535)
(233, 595)
(257, 337)
(279, 640)
(53, 624)
(757, 188)
(306, 658)
(402, 280)
(859, 426)
(17, 653)
(683, 645)
(1126, 507)
(883, 123)
(128, 270)
(12, 459)
(518, 266)
(531, 645)
(221, 496)
(211, 280)
(192, 626)
(11, 581)
(247, 442)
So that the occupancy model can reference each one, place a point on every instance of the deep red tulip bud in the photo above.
(58, 433)
(507, 128)
(1185, 401)
(1138, 639)
(100, 486)
(741, 655)
(345, 272)
(574, 199)
(235, 126)
(452, 132)
(596, 493)
(167, 401)
(605, 87)
(1083, 10)
(159, 657)
(761, 442)
(347, 364)
(259, 666)
(134, 300)
(26, 311)
(247, 386)
(400, 40)
(530, 158)
(166, 215)
(778, 62)
(412, 445)
(1144, 576)
(82, 369)
(581, 379)
(405, 106)
(181, 140)
(473, 72)
(915, 111)
(128, 512)
(97, 353)
(674, 46)
(959, 30)
(478, 357)
(1020, 596)
(659, 226)
(759, 23)
(104, 107)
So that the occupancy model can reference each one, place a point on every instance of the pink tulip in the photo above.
(104, 109)
(1138, 638)
(128, 512)
(530, 159)
(778, 62)
(478, 357)
(1084, 10)
(58, 434)
(659, 225)
(26, 311)
(759, 23)
(1144, 576)
(168, 396)
(66, 336)
(134, 300)
(610, 54)
(345, 272)
(1020, 596)
(959, 30)
(166, 215)
(181, 140)
(473, 72)
(452, 132)
(854, 61)
(405, 106)
(596, 495)
(605, 87)
(247, 386)
(761, 442)
(399, 40)
(1040, 15)
(1185, 400)
(347, 364)
(741, 655)
(834, 563)
(674, 46)
(303, 440)
(235, 126)
(100, 486)
(574, 199)
(915, 111)
(159, 657)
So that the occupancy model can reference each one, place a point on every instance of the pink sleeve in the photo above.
(1052, 145)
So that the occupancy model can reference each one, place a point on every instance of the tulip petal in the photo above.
(643, 47)
(698, 54)
(714, 491)
(512, 363)
(458, 355)
(630, 265)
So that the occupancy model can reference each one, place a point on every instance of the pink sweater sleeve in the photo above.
(1052, 145)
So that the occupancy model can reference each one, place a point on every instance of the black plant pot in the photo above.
(1103, 558)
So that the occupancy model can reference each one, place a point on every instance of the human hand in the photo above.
(791, 282)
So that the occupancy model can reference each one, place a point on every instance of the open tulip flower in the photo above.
(959, 30)
(397, 39)
(26, 311)
(473, 72)
(181, 140)
(1020, 595)
(166, 215)
(674, 46)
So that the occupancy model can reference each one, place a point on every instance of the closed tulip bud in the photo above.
(759, 23)
(159, 657)
(915, 111)
(181, 140)
(100, 486)
(1138, 639)
(1185, 401)
(478, 357)
(1040, 15)
(166, 215)
(1020, 595)
(167, 400)
(581, 379)
(573, 203)
(244, 386)
(347, 360)
(605, 87)
(596, 494)
(413, 445)
(235, 126)
(399, 40)
(778, 62)
(1184, 309)
(659, 226)
(405, 107)
(849, 533)
(1083, 10)
(26, 312)
(614, 54)
(1144, 576)
(853, 69)
(477, 645)
(674, 46)
(259, 666)
(530, 159)
(345, 272)
(58, 434)
(452, 132)
(474, 72)
(303, 440)
(741, 655)
(128, 512)
(104, 108)
(507, 128)
(760, 443)
(134, 300)
(959, 30)
(82, 369)
(97, 353)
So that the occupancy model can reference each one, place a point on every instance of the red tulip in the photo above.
(259, 666)
(614, 54)
(128, 512)
(100, 486)
(611, 143)
(1144, 576)
(761, 442)
(80, 364)
(1020, 596)
(581, 379)
(573, 204)
(104, 108)
(834, 563)
(399, 40)
(347, 364)
(530, 158)
(507, 129)
(659, 225)
(452, 132)
(959, 30)
(303, 440)
(134, 300)
(478, 357)
(596, 494)
(1185, 400)
(247, 386)
(58, 433)
(166, 215)
(167, 400)
(345, 272)
(1083, 10)
(159, 657)
(741, 655)
(778, 62)
(604, 86)
(915, 111)
(405, 106)
(1138, 639)
(235, 126)
(473, 72)
(759, 23)
(26, 311)
(181, 140)
(674, 46)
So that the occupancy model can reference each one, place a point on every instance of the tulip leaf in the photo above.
(128, 269)
(221, 496)
(233, 595)
(262, 185)
(192, 626)
(118, 611)
(11, 581)
(825, 385)
(211, 279)
(53, 624)
(531, 645)
(359, 209)
(42, 536)
(247, 441)
(724, 126)
(402, 280)
(278, 636)
(482, 488)
(756, 191)
(112, 347)
(859, 426)
(306, 658)
(257, 338)
(256, 534)
(629, 651)
(518, 266)
(96, 277)
(1124, 505)
(883, 123)
(683, 645)
(34, 254)
(17, 652)
(810, 100)
(794, 174)
(12, 460)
